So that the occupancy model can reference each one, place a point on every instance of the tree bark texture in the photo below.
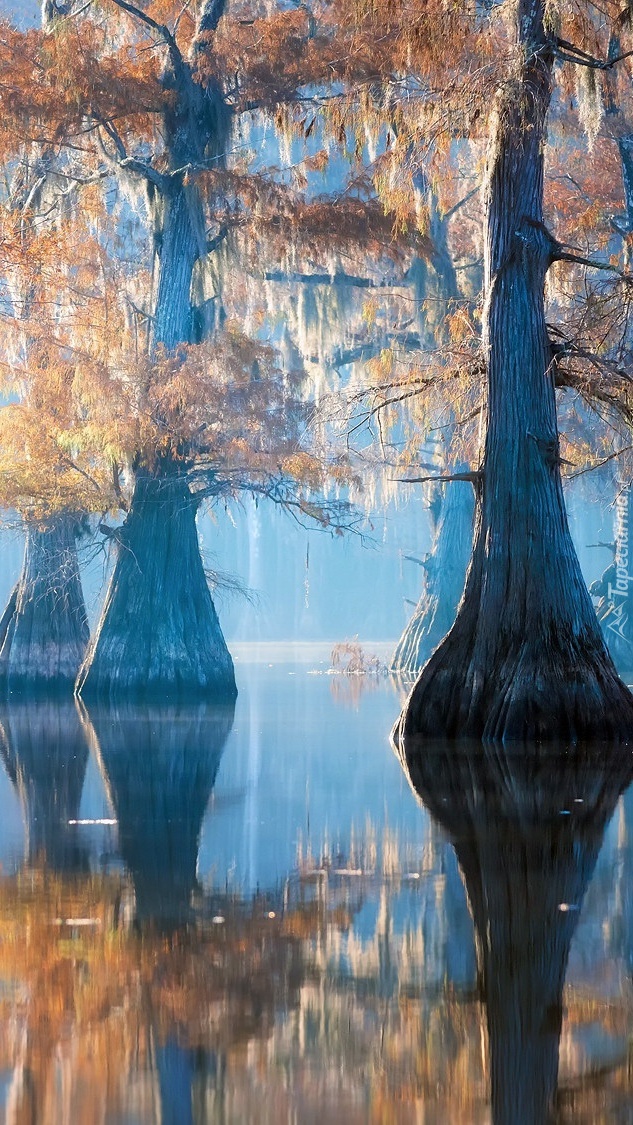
(44, 628)
(445, 572)
(159, 765)
(159, 636)
(525, 658)
(182, 230)
(45, 754)
(526, 825)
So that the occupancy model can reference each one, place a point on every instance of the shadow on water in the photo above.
(526, 824)
(45, 754)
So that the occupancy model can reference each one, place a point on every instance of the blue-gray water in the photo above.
(250, 917)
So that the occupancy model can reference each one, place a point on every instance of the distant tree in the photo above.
(140, 99)
(44, 628)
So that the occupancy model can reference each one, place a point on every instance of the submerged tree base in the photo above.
(159, 637)
(533, 690)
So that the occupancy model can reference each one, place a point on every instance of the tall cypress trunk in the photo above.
(525, 657)
(182, 227)
(159, 636)
(159, 633)
(526, 827)
(44, 628)
(445, 572)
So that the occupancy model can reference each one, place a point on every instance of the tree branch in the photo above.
(160, 29)
(473, 477)
(598, 465)
(332, 279)
(122, 160)
(462, 203)
(210, 16)
(420, 562)
(567, 52)
(140, 168)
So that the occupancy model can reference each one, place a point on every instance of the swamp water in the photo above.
(247, 915)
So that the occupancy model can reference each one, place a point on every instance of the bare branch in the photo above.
(333, 279)
(568, 52)
(160, 29)
(598, 465)
(462, 203)
(140, 168)
(473, 477)
(210, 16)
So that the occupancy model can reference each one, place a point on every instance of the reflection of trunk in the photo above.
(159, 635)
(526, 827)
(619, 925)
(176, 1068)
(45, 753)
(160, 766)
(44, 628)
(445, 571)
(525, 657)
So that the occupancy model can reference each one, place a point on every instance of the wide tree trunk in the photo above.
(45, 753)
(445, 573)
(159, 636)
(525, 657)
(526, 827)
(159, 766)
(44, 628)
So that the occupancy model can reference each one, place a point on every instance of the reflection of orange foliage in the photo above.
(85, 1003)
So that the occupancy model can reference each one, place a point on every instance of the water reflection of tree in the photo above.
(526, 825)
(159, 765)
(44, 750)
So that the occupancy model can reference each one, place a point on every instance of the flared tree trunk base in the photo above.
(159, 637)
(44, 629)
(534, 686)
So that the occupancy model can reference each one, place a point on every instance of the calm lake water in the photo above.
(210, 915)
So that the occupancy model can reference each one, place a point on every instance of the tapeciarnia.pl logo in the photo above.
(619, 593)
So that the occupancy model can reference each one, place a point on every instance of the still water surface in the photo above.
(210, 915)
